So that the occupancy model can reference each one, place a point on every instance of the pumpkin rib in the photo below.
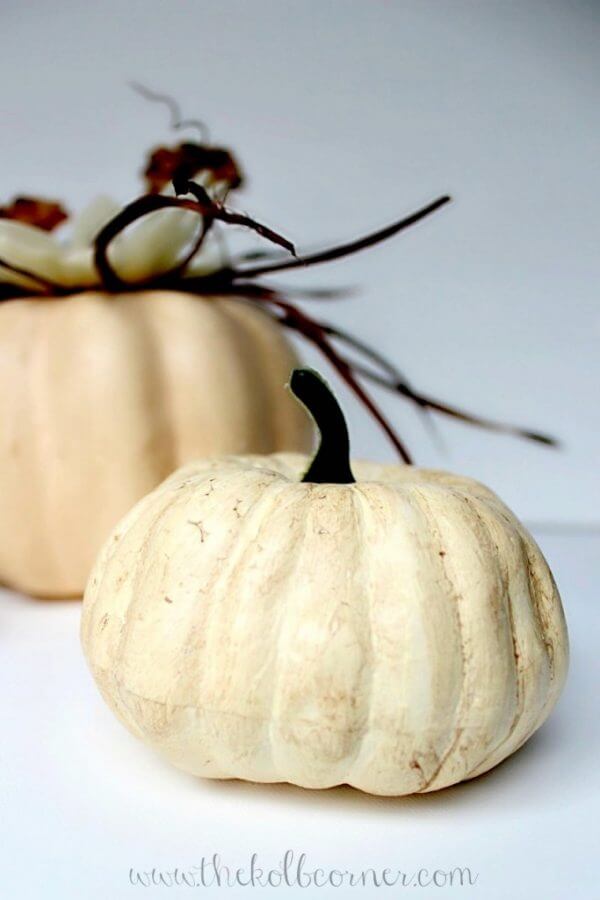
(470, 660)
(149, 330)
(423, 503)
(434, 555)
(218, 586)
(135, 576)
(134, 441)
(40, 440)
(534, 593)
(483, 515)
(16, 341)
(283, 741)
(276, 721)
(393, 500)
(248, 530)
(503, 615)
(102, 566)
(453, 731)
(535, 717)
(360, 502)
(551, 618)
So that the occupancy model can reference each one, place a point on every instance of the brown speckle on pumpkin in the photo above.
(168, 600)
(211, 486)
(201, 529)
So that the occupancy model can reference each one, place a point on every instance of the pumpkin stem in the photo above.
(331, 463)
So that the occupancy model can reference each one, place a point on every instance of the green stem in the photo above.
(331, 463)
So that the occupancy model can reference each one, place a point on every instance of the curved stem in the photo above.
(331, 463)
(139, 208)
(203, 205)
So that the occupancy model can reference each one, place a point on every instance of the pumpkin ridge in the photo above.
(294, 557)
(275, 719)
(537, 590)
(417, 501)
(102, 566)
(12, 428)
(360, 501)
(240, 548)
(551, 620)
(127, 325)
(385, 500)
(201, 606)
(454, 731)
(149, 329)
(137, 596)
(476, 507)
(42, 399)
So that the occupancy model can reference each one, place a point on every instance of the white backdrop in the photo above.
(346, 115)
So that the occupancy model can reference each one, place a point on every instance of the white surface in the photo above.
(346, 115)
(83, 801)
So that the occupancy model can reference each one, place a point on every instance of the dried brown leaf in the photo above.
(44, 214)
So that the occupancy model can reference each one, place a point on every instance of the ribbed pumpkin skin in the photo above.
(102, 397)
(400, 634)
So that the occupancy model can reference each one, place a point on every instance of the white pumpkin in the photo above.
(102, 395)
(399, 633)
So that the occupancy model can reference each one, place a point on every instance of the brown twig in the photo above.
(177, 120)
(240, 282)
(341, 250)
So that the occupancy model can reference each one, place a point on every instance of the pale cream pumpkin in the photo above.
(399, 633)
(102, 396)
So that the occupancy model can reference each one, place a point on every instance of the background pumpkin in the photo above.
(135, 361)
(102, 396)
(112, 379)
(399, 634)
